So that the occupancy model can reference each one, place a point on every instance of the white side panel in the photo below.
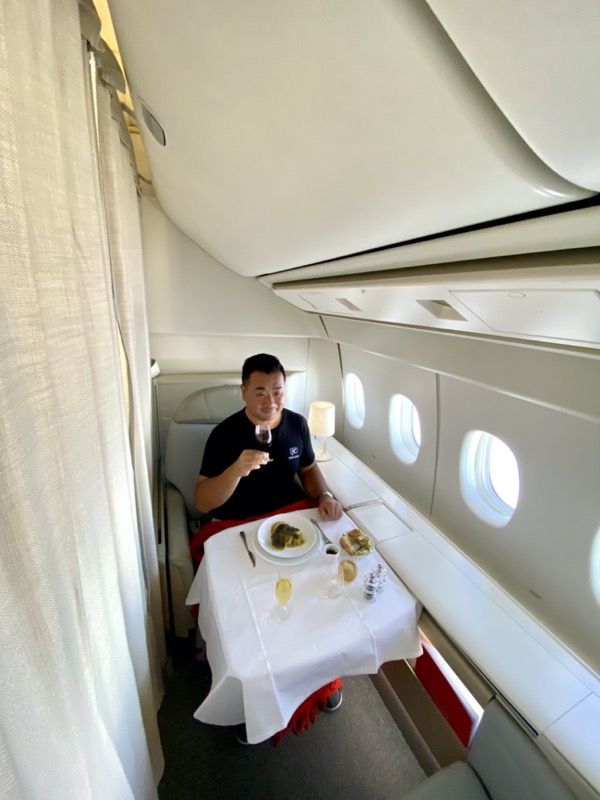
(382, 378)
(554, 691)
(543, 556)
(584, 717)
(540, 63)
(486, 633)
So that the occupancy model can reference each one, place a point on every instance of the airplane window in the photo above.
(595, 566)
(489, 477)
(504, 473)
(354, 400)
(405, 428)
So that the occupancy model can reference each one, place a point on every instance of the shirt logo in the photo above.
(294, 452)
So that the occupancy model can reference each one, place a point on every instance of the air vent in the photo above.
(320, 302)
(441, 310)
(153, 125)
(347, 304)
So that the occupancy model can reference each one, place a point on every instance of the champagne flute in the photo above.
(264, 437)
(283, 592)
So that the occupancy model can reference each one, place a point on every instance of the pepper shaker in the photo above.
(370, 587)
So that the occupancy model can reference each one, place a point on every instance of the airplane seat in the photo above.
(503, 763)
(193, 420)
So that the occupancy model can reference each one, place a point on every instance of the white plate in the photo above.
(288, 562)
(296, 521)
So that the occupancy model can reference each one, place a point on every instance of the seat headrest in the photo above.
(209, 405)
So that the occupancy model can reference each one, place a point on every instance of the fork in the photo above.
(320, 529)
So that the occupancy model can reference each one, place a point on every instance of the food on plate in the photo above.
(348, 570)
(284, 535)
(356, 543)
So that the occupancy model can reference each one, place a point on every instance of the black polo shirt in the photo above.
(273, 485)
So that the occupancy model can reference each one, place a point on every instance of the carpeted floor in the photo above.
(355, 753)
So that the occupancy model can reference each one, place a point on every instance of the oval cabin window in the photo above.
(405, 428)
(354, 400)
(595, 566)
(489, 477)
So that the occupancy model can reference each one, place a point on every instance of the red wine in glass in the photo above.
(264, 437)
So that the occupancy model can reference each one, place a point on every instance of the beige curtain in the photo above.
(79, 648)
(122, 216)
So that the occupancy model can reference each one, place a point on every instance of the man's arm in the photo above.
(314, 485)
(211, 493)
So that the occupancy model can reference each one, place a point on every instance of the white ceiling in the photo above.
(301, 132)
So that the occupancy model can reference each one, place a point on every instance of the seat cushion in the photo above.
(456, 782)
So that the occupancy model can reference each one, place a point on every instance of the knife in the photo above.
(318, 527)
(250, 553)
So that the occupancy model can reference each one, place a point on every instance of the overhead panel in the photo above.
(301, 132)
(540, 63)
(568, 314)
(542, 297)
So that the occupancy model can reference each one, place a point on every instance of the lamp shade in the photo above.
(321, 418)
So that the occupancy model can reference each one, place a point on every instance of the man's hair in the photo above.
(261, 362)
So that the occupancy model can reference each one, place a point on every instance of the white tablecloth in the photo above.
(262, 670)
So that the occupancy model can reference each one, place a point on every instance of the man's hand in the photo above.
(210, 493)
(249, 460)
(330, 508)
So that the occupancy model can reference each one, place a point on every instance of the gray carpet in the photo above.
(354, 752)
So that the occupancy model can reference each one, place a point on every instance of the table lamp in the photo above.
(321, 423)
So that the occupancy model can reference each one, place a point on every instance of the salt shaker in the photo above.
(381, 575)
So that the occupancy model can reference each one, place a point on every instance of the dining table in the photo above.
(263, 669)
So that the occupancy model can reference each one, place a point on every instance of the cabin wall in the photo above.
(382, 377)
(545, 404)
(204, 318)
(541, 399)
(204, 321)
(543, 556)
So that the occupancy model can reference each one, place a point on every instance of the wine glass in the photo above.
(334, 579)
(283, 592)
(264, 437)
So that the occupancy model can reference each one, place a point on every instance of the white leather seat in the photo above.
(503, 763)
(192, 422)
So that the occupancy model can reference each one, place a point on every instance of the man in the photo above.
(239, 480)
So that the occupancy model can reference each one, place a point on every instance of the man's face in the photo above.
(264, 396)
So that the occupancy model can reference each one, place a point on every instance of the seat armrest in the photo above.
(178, 528)
(180, 560)
(456, 782)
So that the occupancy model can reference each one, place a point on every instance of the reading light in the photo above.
(321, 423)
